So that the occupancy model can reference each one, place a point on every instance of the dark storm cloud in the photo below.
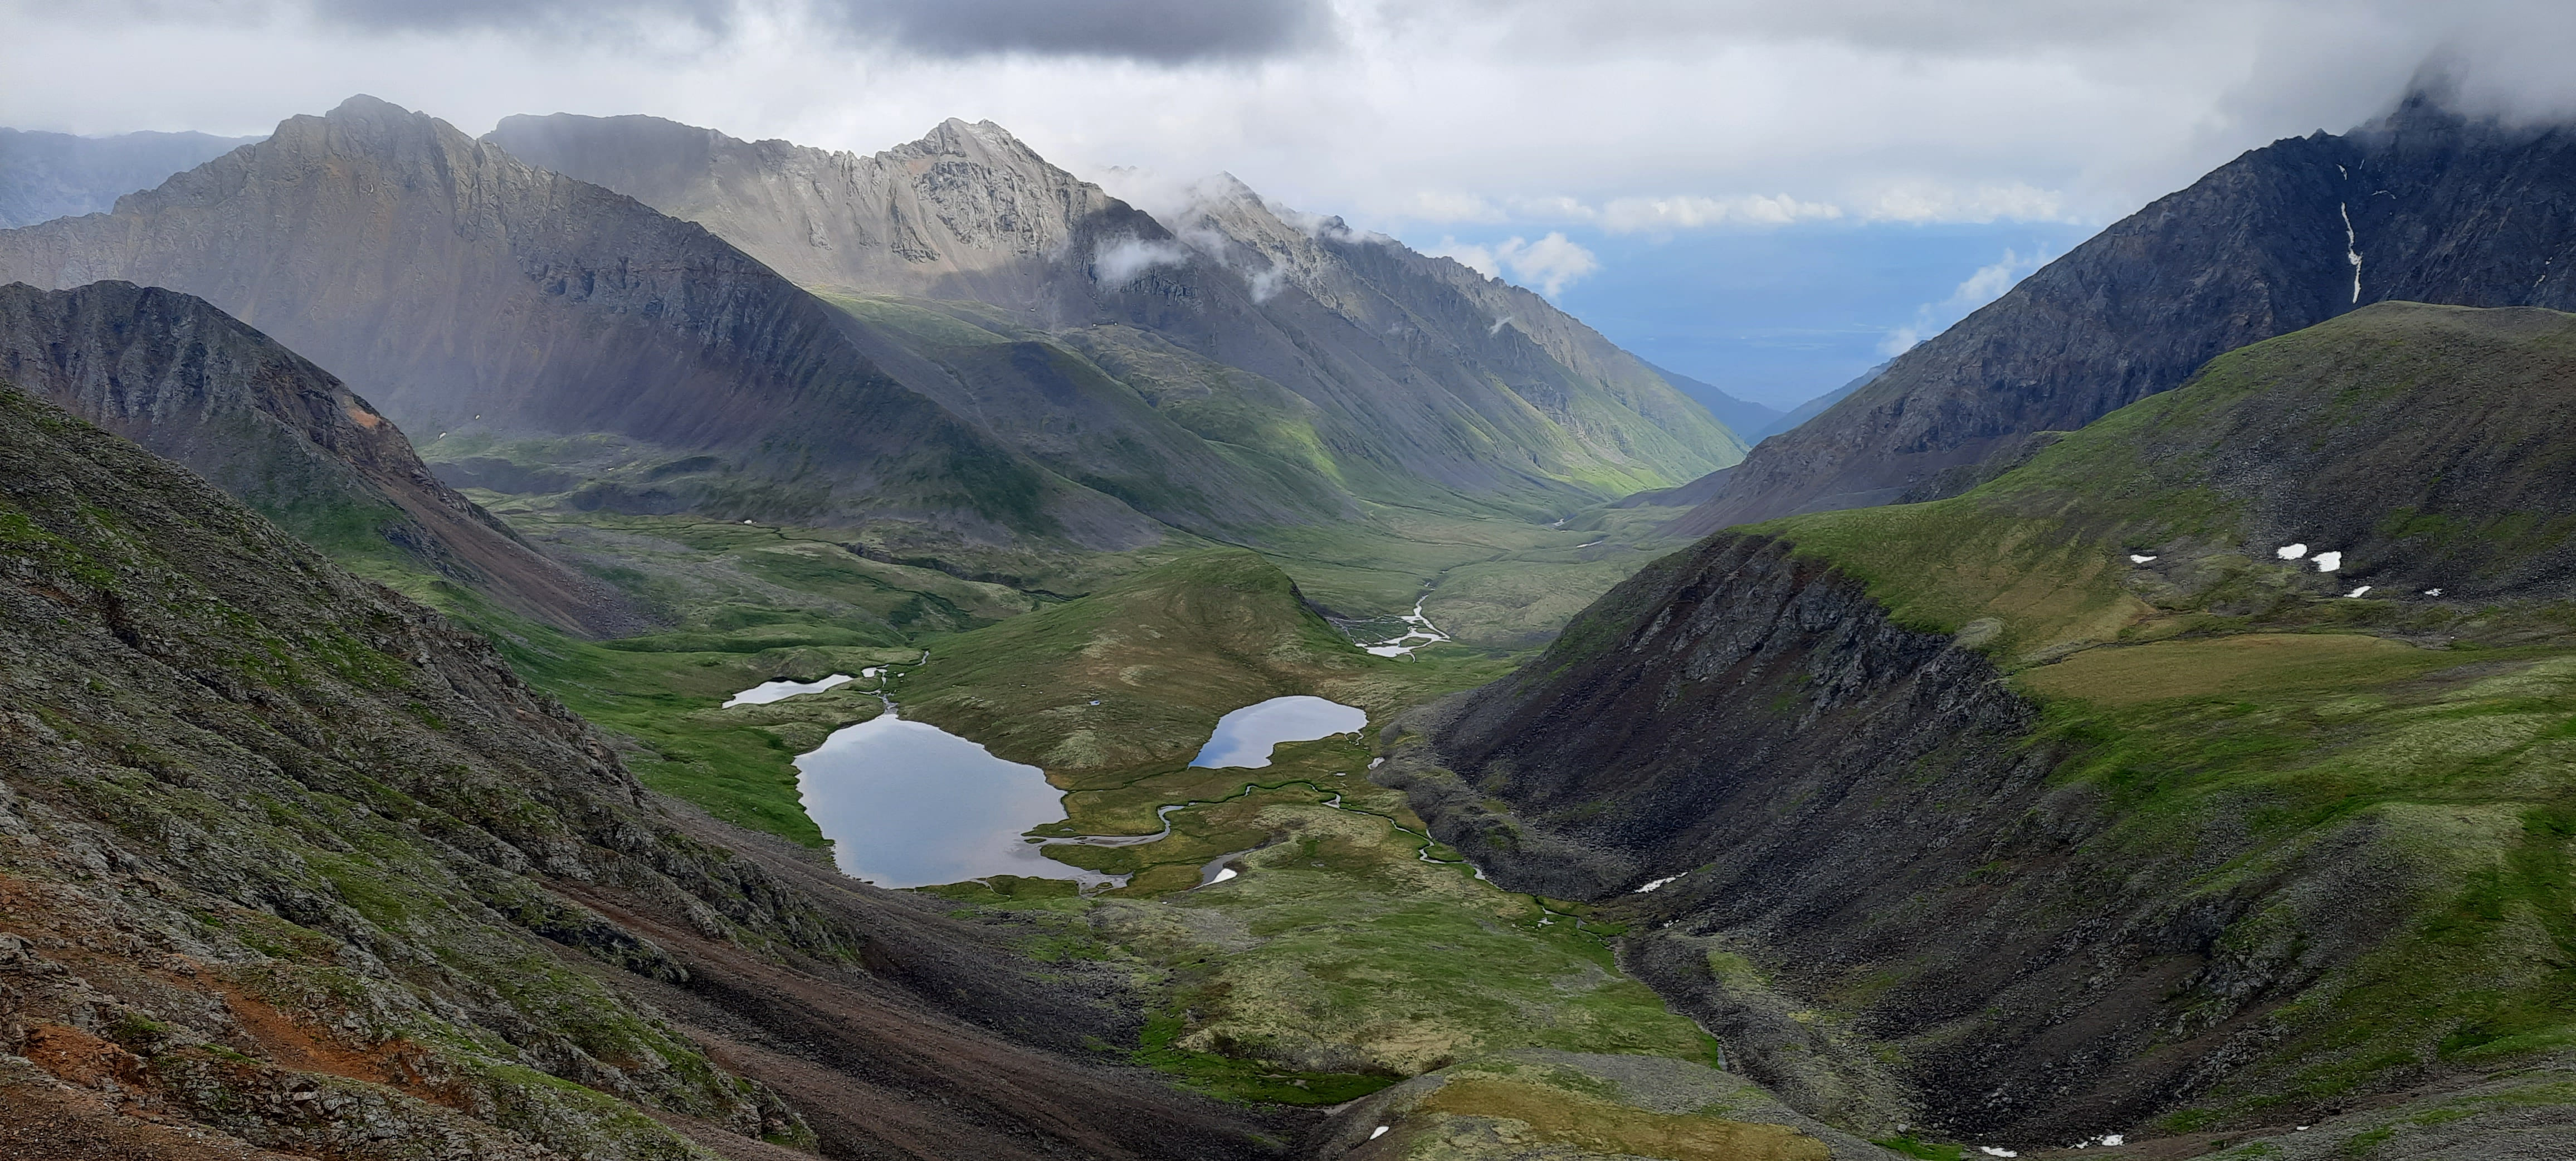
(1159, 31)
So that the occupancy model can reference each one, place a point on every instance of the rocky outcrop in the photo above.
(55, 175)
(2423, 205)
(287, 861)
(457, 285)
(195, 386)
(967, 212)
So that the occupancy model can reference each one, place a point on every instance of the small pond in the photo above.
(769, 691)
(1244, 737)
(907, 804)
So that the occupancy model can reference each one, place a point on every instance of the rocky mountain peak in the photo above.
(980, 141)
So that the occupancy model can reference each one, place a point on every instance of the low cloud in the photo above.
(1909, 202)
(1986, 285)
(1631, 215)
(1548, 265)
(1931, 202)
(1119, 261)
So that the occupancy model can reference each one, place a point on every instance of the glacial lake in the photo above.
(907, 804)
(1244, 737)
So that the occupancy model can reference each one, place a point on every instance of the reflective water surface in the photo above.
(1244, 737)
(907, 804)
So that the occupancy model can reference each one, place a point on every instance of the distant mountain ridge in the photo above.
(195, 386)
(1406, 365)
(461, 285)
(1750, 421)
(53, 175)
(2422, 205)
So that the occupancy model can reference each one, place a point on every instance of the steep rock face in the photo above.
(54, 175)
(1402, 370)
(2422, 206)
(967, 212)
(291, 862)
(194, 385)
(459, 285)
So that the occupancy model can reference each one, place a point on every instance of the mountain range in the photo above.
(1401, 363)
(1109, 382)
(2424, 205)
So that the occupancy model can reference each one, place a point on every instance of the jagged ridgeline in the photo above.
(2423, 205)
(1342, 363)
(192, 384)
(290, 863)
(2209, 771)
(1006, 353)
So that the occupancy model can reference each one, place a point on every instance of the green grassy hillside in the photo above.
(2236, 713)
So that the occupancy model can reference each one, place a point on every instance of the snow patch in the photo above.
(1991, 1151)
(2358, 591)
(1222, 876)
(2291, 551)
(2351, 250)
(1378, 1132)
(1657, 883)
(2134, 558)
(769, 691)
(2329, 561)
(2432, 592)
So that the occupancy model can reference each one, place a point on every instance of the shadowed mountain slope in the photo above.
(193, 385)
(2071, 804)
(52, 175)
(459, 285)
(2423, 205)
(1391, 369)
(294, 864)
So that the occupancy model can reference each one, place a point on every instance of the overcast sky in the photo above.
(1698, 177)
